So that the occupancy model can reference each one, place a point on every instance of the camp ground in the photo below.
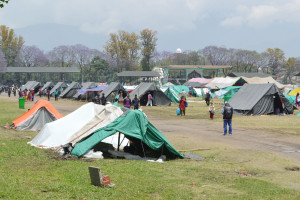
(86, 85)
(115, 88)
(158, 97)
(60, 86)
(70, 91)
(259, 99)
(36, 117)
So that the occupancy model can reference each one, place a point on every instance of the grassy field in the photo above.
(226, 173)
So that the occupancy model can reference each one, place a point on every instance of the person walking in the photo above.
(127, 102)
(48, 94)
(121, 98)
(32, 95)
(227, 113)
(29, 95)
(211, 111)
(297, 101)
(207, 98)
(112, 97)
(103, 100)
(149, 102)
(97, 99)
(182, 105)
(183, 93)
(9, 91)
(40, 93)
(136, 103)
(56, 93)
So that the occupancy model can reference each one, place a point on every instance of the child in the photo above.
(211, 111)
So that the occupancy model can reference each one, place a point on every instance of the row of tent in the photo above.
(89, 90)
(91, 124)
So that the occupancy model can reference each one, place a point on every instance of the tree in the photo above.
(61, 56)
(98, 67)
(3, 64)
(276, 59)
(32, 56)
(215, 55)
(123, 48)
(10, 44)
(148, 40)
(2, 3)
(290, 67)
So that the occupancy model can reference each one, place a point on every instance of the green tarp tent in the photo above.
(172, 95)
(133, 124)
(178, 88)
(291, 98)
(230, 91)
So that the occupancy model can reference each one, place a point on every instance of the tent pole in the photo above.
(119, 141)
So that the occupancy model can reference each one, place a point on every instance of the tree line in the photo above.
(131, 52)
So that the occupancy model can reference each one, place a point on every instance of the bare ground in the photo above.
(194, 133)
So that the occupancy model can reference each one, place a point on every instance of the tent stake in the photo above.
(119, 141)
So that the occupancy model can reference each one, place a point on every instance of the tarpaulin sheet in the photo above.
(134, 124)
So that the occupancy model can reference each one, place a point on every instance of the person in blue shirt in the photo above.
(227, 113)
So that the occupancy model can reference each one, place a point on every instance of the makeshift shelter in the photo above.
(220, 82)
(113, 87)
(200, 92)
(168, 84)
(58, 86)
(135, 126)
(76, 125)
(260, 99)
(90, 95)
(258, 80)
(197, 82)
(47, 85)
(31, 85)
(41, 113)
(291, 98)
(70, 91)
(229, 91)
(248, 75)
(295, 91)
(158, 97)
(172, 95)
(178, 88)
(129, 88)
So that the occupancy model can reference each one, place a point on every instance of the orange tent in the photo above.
(34, 119)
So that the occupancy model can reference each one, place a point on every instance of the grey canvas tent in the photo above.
(86, 85)
(58, 86)
(47, 85)
(113, 87)
(70, 91)
(31, 85)
(158, 97)
(259, 99)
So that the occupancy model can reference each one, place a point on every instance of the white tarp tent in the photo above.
(220, 82)
(257, 80)
(77, 125)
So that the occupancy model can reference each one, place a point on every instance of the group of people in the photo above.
(119, 99)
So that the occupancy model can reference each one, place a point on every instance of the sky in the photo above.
(186, 24)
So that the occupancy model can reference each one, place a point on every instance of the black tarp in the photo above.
(258, 99)
(158, 97)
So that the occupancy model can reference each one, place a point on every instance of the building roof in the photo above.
(42, 69)
(138, 74)
(248, 75)
(197, 66)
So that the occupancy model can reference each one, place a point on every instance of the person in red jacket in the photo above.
(182, 105)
